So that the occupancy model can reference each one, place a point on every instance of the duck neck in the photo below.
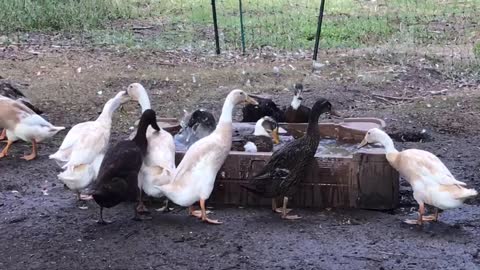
(144, 101)
(141, 137)
(227, 111)
(296, 102)
(108, 109)
(312, 129)
(260, 130)
(387, 142)
(224, 126)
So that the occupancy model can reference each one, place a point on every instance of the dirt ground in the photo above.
(42, 228)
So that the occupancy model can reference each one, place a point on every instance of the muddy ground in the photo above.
(42, 228)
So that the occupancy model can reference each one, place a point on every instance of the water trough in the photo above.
(340, 179)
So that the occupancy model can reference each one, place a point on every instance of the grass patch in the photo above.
(476, 50)
(65, 15)
(283, 24)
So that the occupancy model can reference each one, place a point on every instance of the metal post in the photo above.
(215, 27)
(319, 29)
(242, 31)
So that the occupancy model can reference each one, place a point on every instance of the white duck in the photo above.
(10, 91)
(23, 123)
(195, 175)
(84, 147)
(431, 181)
(159, 162)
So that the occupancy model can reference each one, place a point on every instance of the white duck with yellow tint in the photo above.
(159, 163)
(84, 147)
(431, 181)
(195, 175)
(23, 123)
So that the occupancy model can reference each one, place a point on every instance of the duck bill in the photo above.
(363, 143)
(250, 100)
(275, 137)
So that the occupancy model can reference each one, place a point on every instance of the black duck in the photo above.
(118, 176)
(287, 166)
(265, 107)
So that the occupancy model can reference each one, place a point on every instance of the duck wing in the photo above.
(419, 164)
(87, 146)
(284, 159)
(120, 161)
(202, 160)
(161, 151)
(285, 168)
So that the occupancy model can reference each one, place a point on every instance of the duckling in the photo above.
(266, 129)
(296, 112)
(23, 123)
(431, 181)
(195, 126)
(82, 150)
(118, 177)
(195, 175)
(265, 107)
(288, 165)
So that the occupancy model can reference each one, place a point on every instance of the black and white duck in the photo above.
(297, 112)
(118, 177)
(288, 165)
(265, 107)
(196, 125)
(262, 139)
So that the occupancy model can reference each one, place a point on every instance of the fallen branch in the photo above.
(383, 99)
(364, 258)
(396, 98)
(141, 27)
(438, 92)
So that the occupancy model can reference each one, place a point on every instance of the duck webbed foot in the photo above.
(204, 215)
(433, 217)
(101, 221)
(194, 213)
(138, 217)
(421, 218)
(285, 211)
(142, 209)
(33, 155)
(5, 150)
(165, 208)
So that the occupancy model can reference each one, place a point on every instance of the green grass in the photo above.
(476, 50)
(65, 15)
(284, 24)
